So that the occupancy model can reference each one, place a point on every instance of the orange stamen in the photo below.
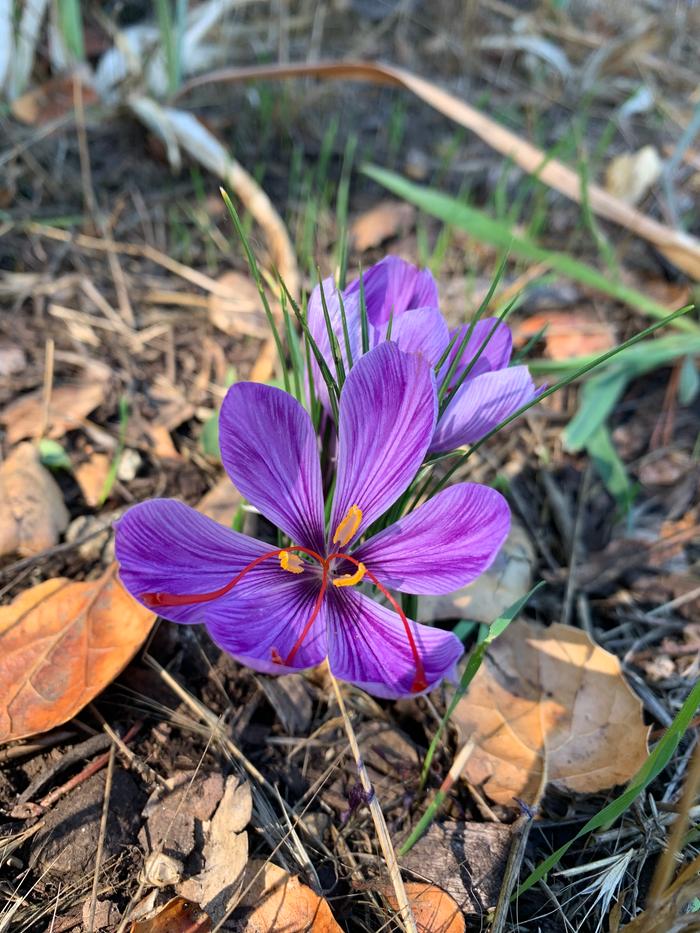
(347, 529)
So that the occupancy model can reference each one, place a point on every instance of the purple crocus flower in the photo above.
(404, 298)
(284, 609)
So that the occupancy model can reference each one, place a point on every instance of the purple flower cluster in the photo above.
(288, 608)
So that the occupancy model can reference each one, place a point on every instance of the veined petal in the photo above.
(495, 355)
(271, 617)
(480, 404)
(387, 415)
(442, 545)
(420, 330)
(269, 449)
(368, 646)
(164, 546)
(394, 285)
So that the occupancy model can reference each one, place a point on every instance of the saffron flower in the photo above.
(402, 303)
(282, 609)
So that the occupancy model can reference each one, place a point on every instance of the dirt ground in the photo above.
(109, 264)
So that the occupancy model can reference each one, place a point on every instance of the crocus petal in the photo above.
(387, 415)
(480, 404)
(319, 331)
(164, 546)
(441, 546)
(495, 355)
(269, 449)
(368, 646)
(420, 330)
(394, 285)
(270, 617)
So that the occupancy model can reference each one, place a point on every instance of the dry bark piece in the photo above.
(277, 900)
(387, 219)
(225, 852)
(550, 706)
(69, 405)
(467, 860)
(506, 581)
(177, 916)
(240, 312)
(433, 909)
(569, 333)
(61, 643)
(32, 512)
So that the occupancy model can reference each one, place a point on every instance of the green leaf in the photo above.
(209, 438)
(611, 469)
(53, 455)
(689, 383)
(483, 227)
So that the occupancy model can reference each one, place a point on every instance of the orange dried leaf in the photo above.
(92, 476)
(279, 901)
(387, 219)
(569, 333)
(550, 706)
(433, 909)
(51, 100)
(177, 916)
(61, 643)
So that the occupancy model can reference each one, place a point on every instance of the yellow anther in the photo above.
(291, 562)
(350, 579)
(347, 529)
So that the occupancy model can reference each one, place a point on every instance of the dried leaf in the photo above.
(61, 643)
(506, 581)
(630, 176)
(279, 901)
(50, 100)
(32, 511)
(221, 502)
(91, 477)
(69, 406)
(550, 706)
(387, 219)
(569, 333)
(239, 312)
(225, 852)
(433, 909)
(177, 916)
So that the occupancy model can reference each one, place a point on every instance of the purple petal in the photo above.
(387, 416)
(269, 449)
(319, 331)
(420, 330)
(165, 546)
(443, 545)
(368, 646)
(394, 285)
(480, 404)
(271, 617)
(495, 355)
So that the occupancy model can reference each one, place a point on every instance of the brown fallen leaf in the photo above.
(50, 100)
(69, 405)
(61, 643)
(32, 511)
(433, 909)
(385, 220)
(91, 477)
(569, 333)
(550, 706)
(277, 900)
(225, 852)
(630, 176)
(177, 916)
(241, 311)
(221, 502)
